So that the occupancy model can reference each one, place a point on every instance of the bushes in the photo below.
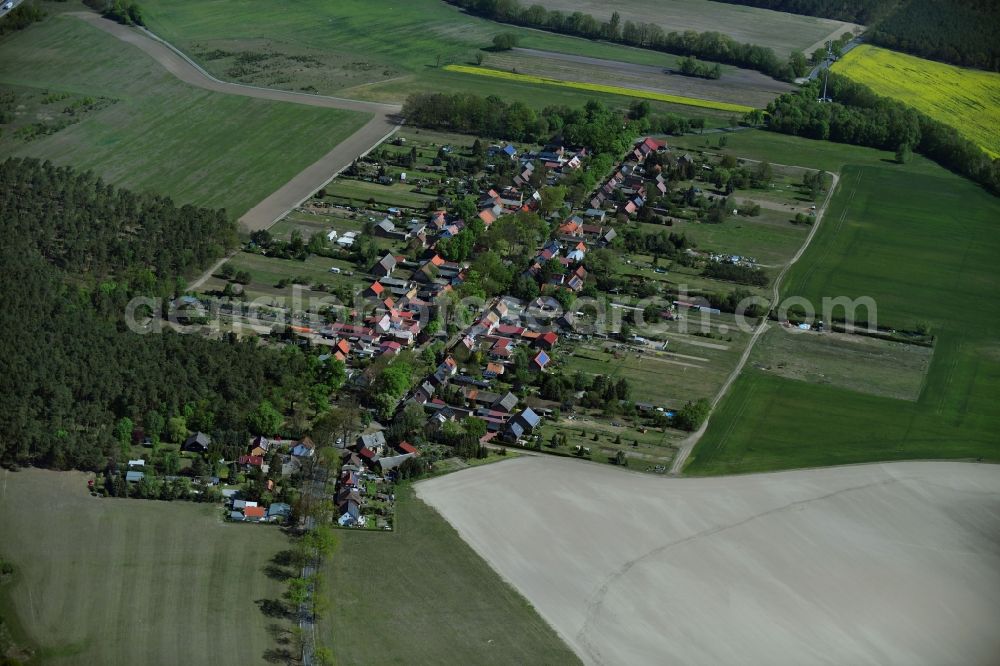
(741, 274)
(124, 11)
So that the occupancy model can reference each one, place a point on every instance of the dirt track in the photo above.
(383, 123)
(871, 564)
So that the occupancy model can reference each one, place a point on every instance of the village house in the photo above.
(304, 448)
(521, 425)
(198, 442)
(385, 266)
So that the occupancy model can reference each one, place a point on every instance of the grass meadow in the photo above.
(923, 245)
(374, 49)
(119, 581)
(161, 135)
(966, 99)
(421, 595)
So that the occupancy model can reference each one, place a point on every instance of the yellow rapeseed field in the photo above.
(597, 87)
(966, 99)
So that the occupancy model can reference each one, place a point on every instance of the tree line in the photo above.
(708, 45)
(595, 126)
(74, 380)
(854, 11)
(860, 117)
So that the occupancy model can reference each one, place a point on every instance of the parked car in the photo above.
(335, 270)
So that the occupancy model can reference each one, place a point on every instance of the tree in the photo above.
(298, 591)
(265, 420)
(123, 433)
(798, 63)
(154, 425)
(177, 430)
(903, 153)
(171, 463)
(553, 198)
(321, 540)
(692, 415)
(198, 466)
(504, 41)
(474, 427)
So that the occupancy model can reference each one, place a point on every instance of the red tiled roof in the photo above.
(256, 461)
(406, 447)
(254, 512)
(377, 288)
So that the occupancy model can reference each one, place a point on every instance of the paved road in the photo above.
(4, 12)
(689, 443)
(818, 69)
(384, 122)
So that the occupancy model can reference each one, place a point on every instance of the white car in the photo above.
(7, 5)
(334, 270)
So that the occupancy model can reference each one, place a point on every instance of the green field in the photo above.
(924, 246)
(377, 50)
(118, 581)
(856, 362)
(777, 148)
(420, 595)
(162, 135)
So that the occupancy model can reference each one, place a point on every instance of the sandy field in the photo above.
(877, 564)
